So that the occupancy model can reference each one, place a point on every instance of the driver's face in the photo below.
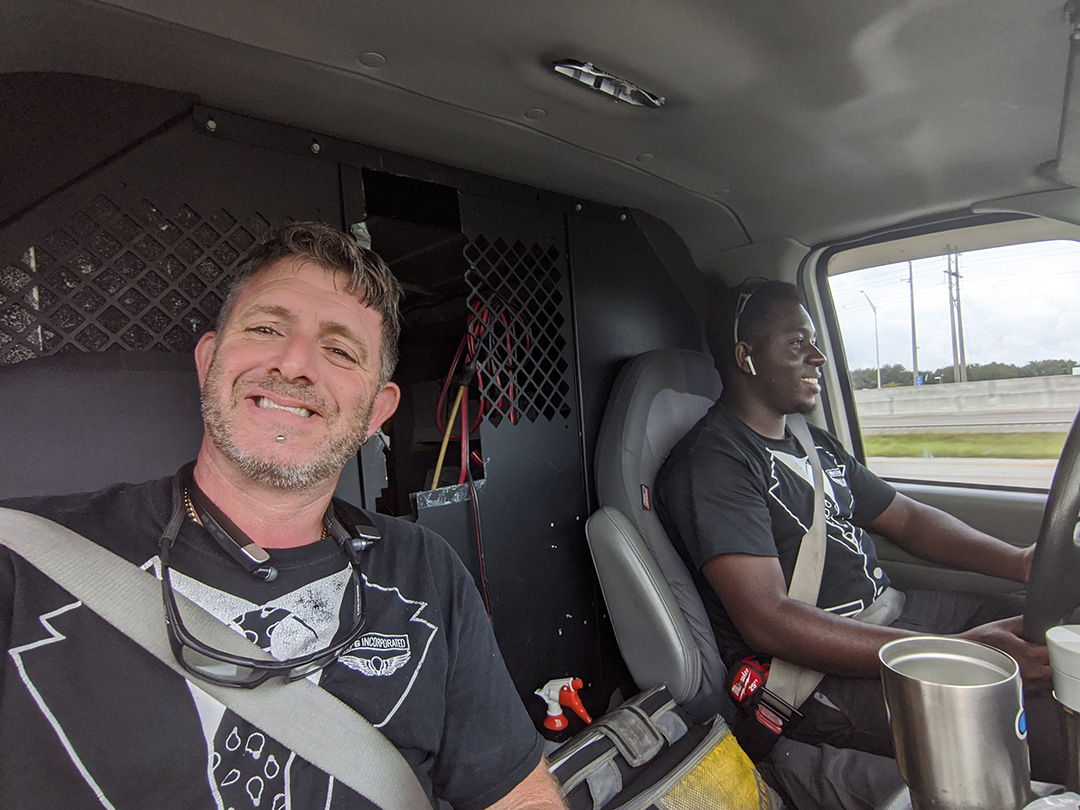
(787, 359)
(297, 359)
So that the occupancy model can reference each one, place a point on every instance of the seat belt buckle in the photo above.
(763, 722)
(770, 719)
(774, 712)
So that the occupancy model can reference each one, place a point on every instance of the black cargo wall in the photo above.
(129, 255)
(545, 600)
(626, 302)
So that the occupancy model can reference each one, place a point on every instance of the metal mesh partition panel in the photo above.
(137, 255)
(532, 508)
(519, 328)
(121, 274)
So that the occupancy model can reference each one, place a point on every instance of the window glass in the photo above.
(964, 365)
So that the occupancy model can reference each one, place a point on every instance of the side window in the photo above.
(964, 365)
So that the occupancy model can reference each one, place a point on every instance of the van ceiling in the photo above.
(806, 119)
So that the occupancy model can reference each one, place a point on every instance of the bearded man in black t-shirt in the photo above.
(295, 377)
(737, 496)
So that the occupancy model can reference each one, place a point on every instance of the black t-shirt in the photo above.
(88, 718)
(725, 489)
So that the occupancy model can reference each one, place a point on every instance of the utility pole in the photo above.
(956, 321)
(877, 351)
(914, 344)
(960, 325)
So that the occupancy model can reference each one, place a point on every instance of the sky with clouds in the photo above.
(1018, 303)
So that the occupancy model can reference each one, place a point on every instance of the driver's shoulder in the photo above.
(120, 517)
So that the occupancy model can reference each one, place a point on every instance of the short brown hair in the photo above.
(370, 279)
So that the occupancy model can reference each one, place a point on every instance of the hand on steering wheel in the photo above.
(1033, 658)
(1053, 590)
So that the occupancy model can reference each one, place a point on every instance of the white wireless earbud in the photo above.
(750, 364)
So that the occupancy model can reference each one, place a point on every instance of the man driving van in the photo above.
(737, 497)
(378, 611)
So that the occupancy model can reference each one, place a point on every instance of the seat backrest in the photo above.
(663, 631)
(78, 422)
(81, 421)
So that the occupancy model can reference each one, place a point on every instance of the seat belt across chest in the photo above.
(300, 715)
(789, 685)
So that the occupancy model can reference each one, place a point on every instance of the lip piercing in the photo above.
(281, 438)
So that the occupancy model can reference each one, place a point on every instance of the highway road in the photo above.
(1007, 472)
(1011, 421)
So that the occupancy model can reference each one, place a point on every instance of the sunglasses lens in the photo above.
(216, 671)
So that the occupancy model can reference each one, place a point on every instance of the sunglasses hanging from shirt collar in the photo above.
(226, 669)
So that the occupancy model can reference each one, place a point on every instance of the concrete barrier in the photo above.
(1024, 404)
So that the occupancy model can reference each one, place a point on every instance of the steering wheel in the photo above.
(1053, 591)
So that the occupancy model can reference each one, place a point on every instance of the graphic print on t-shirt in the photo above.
(296, 623)
(291, 625)
(394, 648)
(245, 768)
(264, 782)
(840, 531)
(801, 467)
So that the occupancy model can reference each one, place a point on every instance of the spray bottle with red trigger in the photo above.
(558, 693)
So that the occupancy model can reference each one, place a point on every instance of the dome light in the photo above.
(603, 82)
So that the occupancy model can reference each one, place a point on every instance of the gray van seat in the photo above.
(659, 620)
(77, 422)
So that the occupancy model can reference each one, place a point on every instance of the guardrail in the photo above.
(1027, 404)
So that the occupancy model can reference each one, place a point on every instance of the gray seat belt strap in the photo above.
(806, 577)
(300, 715)
(794, 684)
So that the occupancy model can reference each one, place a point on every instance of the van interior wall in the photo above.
(627, 303)
(131, 254)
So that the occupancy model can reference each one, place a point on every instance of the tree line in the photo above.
(896, 374)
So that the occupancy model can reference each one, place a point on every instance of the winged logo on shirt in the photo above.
(378, 654)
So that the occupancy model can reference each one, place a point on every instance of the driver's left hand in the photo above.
(1034, 659)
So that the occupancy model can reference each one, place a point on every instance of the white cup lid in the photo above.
(1064, 644)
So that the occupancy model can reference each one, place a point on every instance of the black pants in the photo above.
(850, 712)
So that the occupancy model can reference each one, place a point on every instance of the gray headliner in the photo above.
(807, 120)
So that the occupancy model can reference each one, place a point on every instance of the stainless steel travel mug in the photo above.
(957, 713)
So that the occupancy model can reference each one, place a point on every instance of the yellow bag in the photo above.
(647, 754)
(724, 778)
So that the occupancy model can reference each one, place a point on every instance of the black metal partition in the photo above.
(134, 255)
(544, 595)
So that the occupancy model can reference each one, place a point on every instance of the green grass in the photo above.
(965, 445)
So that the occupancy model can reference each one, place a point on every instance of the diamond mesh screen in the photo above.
(517, 328)
(120, 277)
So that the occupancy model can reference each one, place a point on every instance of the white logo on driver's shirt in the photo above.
(378, 654)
